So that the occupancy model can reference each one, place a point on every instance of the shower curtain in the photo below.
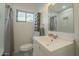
(8, 46)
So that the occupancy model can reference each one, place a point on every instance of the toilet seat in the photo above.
(26, 47)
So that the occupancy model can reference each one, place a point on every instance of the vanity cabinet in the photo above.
(41, 50)
(37, 49)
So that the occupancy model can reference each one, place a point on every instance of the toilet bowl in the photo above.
(26, 48)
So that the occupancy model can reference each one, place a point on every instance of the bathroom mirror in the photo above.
(60, 17)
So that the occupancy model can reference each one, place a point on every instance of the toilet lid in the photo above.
(26, 47)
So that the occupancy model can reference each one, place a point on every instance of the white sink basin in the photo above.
(51, 46)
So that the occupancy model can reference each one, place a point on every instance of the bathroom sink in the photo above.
(45, 40)
(52, 44)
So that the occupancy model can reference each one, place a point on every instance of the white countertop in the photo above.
(53, 46)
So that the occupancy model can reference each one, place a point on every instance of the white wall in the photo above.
(22, 30)
(76, 26)
(2, 19)
(43, 8)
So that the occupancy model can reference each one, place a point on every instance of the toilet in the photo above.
(26, 49)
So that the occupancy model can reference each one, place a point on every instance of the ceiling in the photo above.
(59, 7)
